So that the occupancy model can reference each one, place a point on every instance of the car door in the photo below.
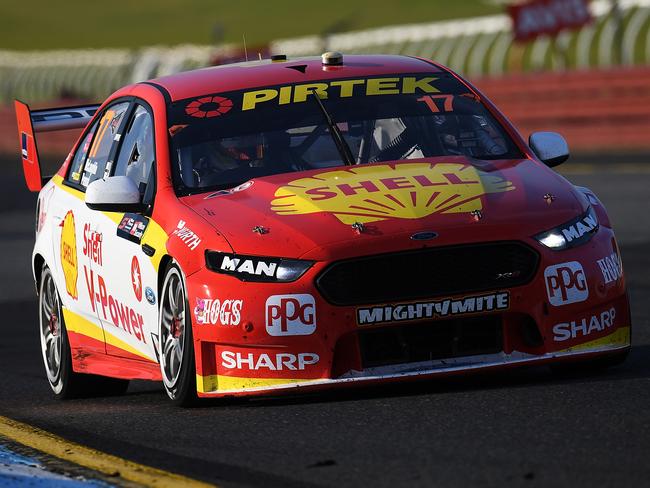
(94, 259)
(69, 217)
(131, 280)
(78, 247)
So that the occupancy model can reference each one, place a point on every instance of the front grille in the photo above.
(432, 340)
(427, 273)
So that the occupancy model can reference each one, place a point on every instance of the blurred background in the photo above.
(579, 67)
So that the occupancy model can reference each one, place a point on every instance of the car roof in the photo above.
(246, 75)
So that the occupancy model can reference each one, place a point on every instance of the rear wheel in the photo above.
(176, 346)
(56, 354)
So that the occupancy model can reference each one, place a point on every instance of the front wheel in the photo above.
(176, 347)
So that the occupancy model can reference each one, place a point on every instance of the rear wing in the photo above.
(47, 120)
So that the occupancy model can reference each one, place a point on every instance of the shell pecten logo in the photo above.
(69, 254)
(398, 191)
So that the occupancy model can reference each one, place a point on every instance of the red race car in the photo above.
(291, 225)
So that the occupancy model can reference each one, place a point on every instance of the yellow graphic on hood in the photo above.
(378, 192)
(69, 254)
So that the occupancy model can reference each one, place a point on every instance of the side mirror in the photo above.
(114, 194)
(550, 147)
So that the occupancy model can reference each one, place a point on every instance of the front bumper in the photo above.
(210, 386)
(241, 350)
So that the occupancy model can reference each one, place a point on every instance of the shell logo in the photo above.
(208, 107)
(69, 254)
(390, 191)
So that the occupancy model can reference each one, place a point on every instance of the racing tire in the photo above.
(177, 364)
(55, 349)
(590, 365)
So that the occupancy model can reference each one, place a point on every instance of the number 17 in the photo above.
(429, 100)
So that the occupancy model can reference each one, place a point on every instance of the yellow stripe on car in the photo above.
(620, 337)
(80, 325)
(219, 383)
(156, 237)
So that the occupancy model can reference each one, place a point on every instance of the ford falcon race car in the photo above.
(301, 224)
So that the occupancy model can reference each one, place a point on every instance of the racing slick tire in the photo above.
(594, 365)
(176, 346)
(55, 348)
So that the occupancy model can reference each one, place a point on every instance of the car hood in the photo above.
(374, 208)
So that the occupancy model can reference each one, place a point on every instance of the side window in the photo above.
(136, 155)
(74, 175)
(107, 130)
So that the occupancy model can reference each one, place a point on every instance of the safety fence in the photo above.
(476, 47)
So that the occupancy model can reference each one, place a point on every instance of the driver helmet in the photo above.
(247, 148)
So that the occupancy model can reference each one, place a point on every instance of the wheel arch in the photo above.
(164, 262)
(37, 264)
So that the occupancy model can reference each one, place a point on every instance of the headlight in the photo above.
(573, 233)
(256, 268)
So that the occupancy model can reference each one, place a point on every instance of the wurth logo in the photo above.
(566, 283)
(186, 235)
(290, 315)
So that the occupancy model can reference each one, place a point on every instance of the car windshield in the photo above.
(221, 140)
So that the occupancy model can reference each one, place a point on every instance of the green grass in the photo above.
(55, 24)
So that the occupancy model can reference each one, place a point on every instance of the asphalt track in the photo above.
(521, 428)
